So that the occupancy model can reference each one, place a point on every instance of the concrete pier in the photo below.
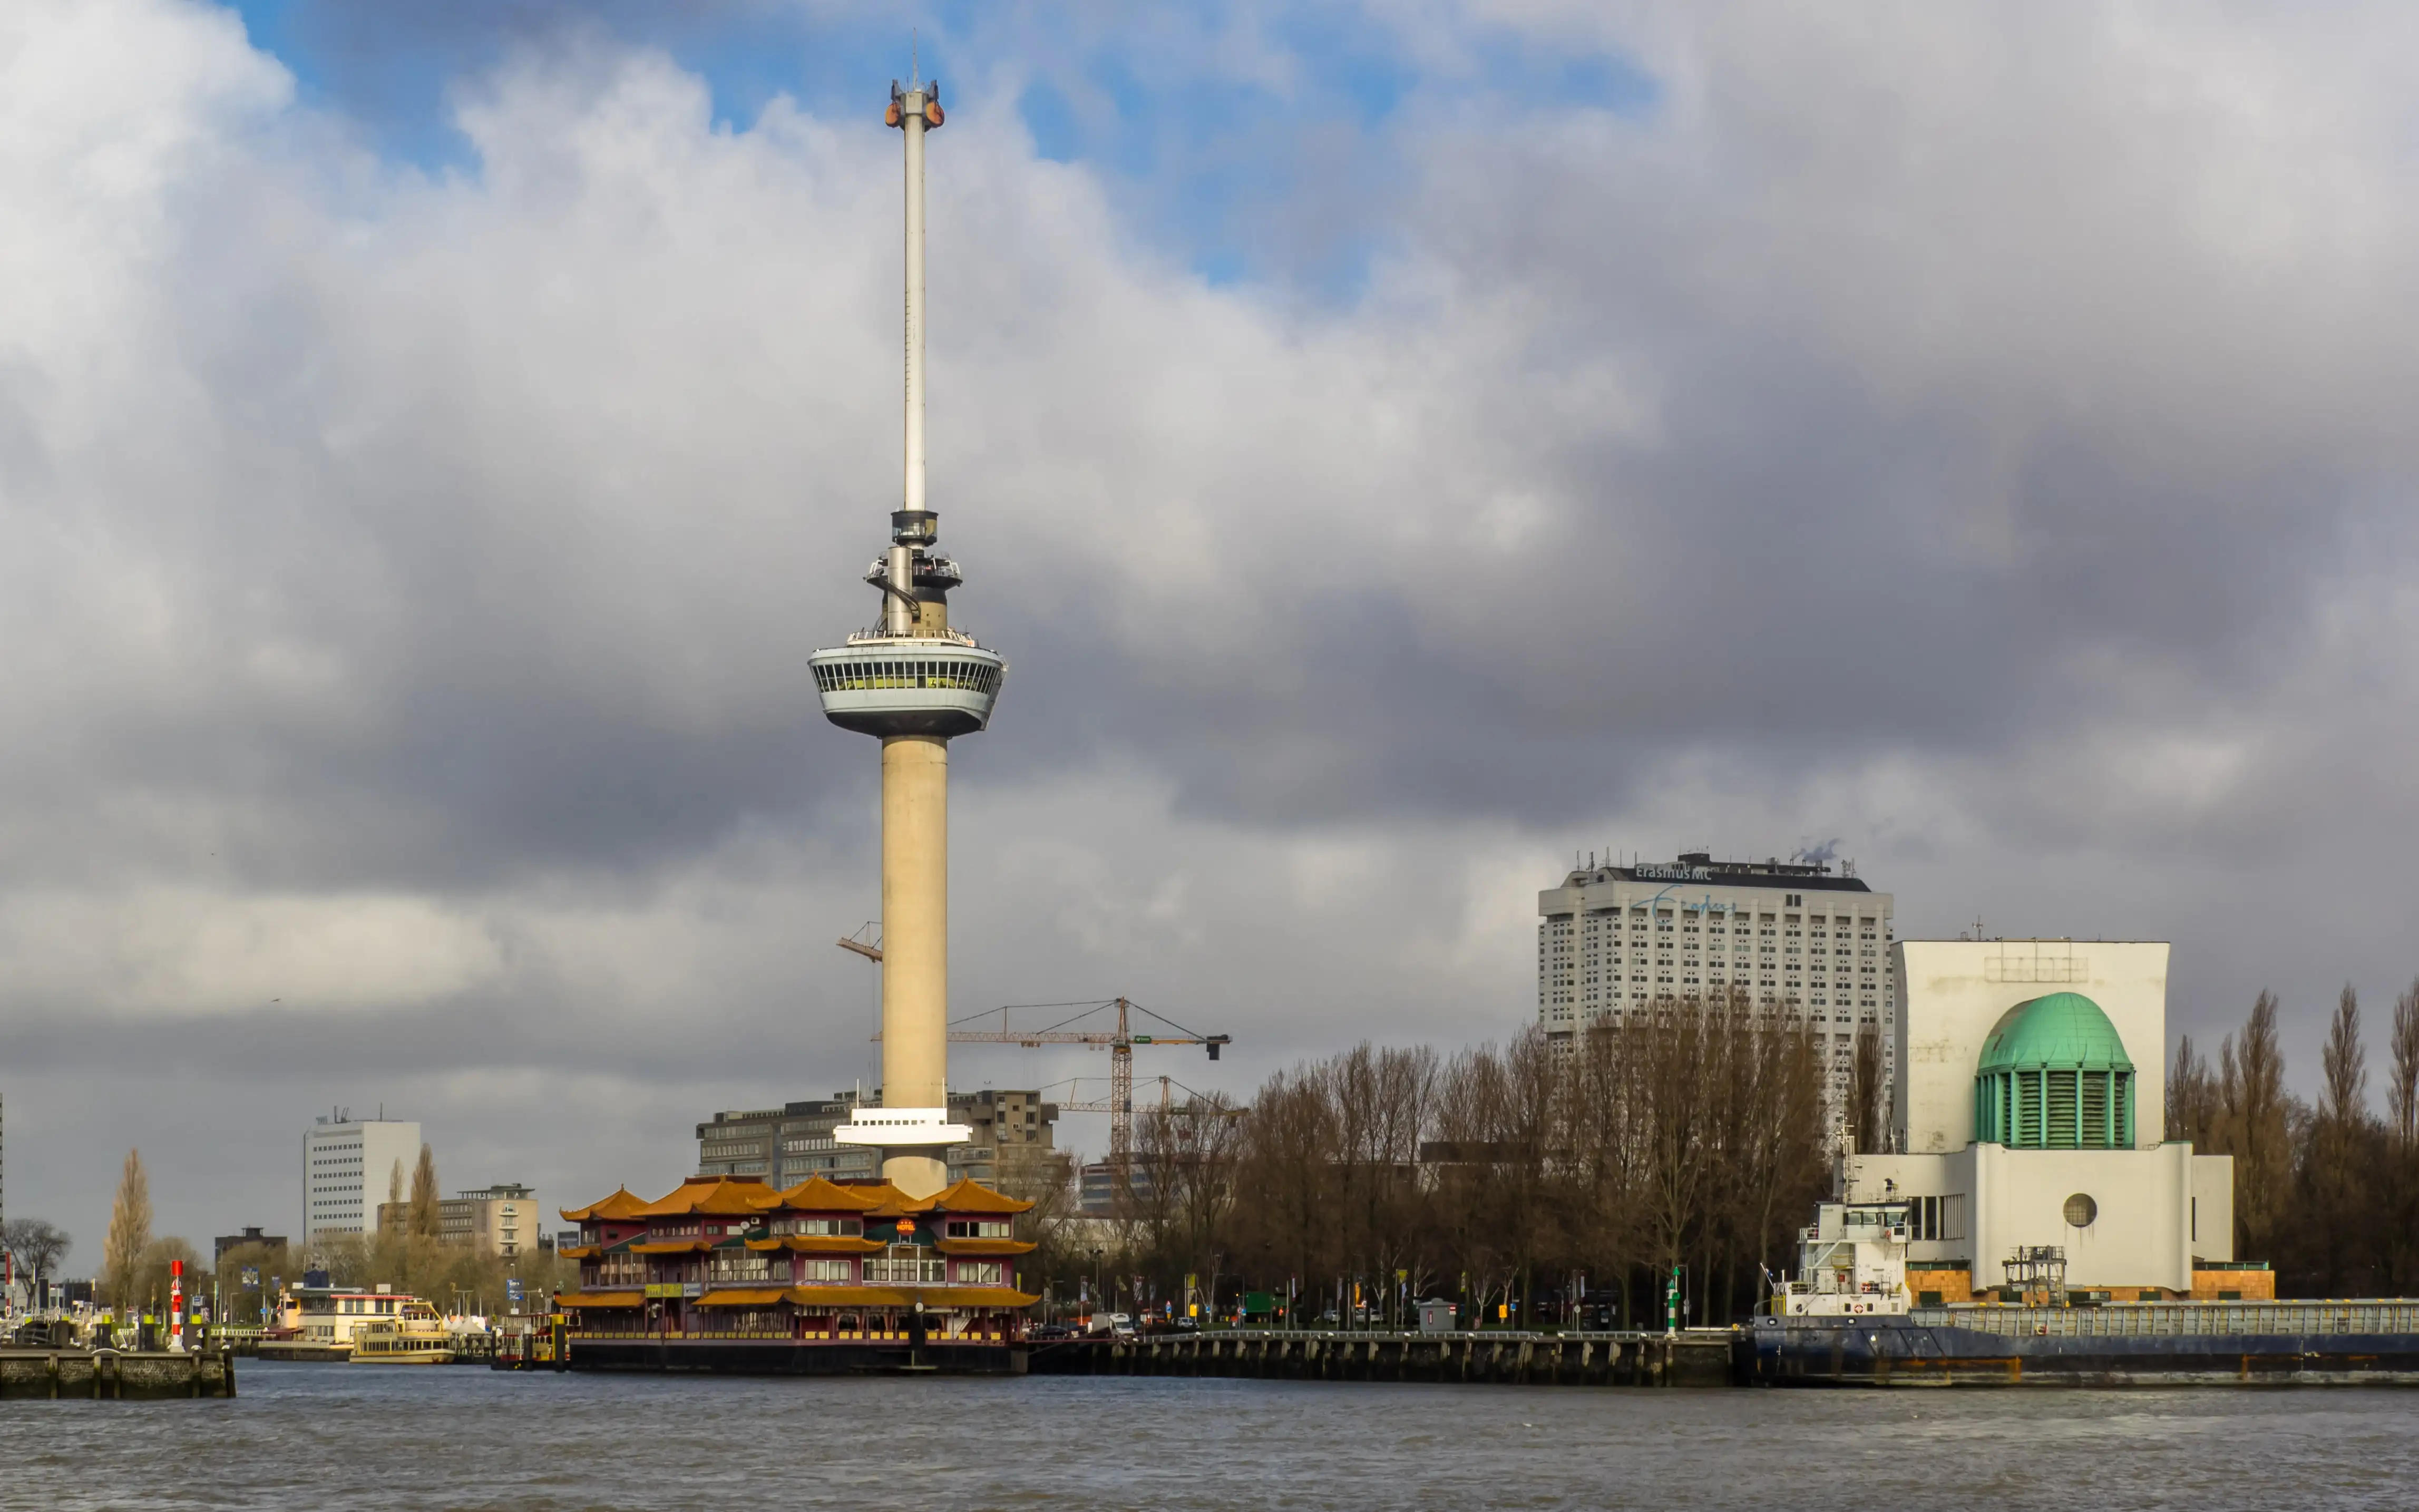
(113, 1375)
(1698, 1357)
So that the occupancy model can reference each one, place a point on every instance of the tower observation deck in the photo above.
(915, 683)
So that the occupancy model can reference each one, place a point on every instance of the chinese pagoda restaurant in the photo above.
(728, 1274)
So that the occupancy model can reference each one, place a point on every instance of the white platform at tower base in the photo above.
(901, 1128)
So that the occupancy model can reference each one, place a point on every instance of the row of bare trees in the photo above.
(2327, 1192)
(1510, 1179)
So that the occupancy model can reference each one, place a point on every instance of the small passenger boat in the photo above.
(415, 1337)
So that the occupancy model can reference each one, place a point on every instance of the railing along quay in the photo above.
(1694, 1357)
(2151, 1319)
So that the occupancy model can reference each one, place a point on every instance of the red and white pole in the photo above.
(176, 1306)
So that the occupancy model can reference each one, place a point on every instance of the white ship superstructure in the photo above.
(1851, 1261)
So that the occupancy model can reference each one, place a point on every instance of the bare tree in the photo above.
(1602, 1160)
(2402, 1088)
(1204, 1180)
(1289, 1146)
(2398, 1246)
(1162, 1146)
(1670, 1086)
(2335, 1159)
(2192, 1097)
(1782, 1169)
(2344, 1064)
(1867, 1095)
(427, 1220)
(129, 1232)
(38, 1244)
(2256, 1128)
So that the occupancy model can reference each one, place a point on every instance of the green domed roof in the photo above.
(2061, 1031)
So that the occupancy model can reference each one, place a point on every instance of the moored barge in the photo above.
(2111, 1344)
(1847, 1320)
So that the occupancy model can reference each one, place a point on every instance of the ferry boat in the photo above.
(416, 1336)
(328, 1323)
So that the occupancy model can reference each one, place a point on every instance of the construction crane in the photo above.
(1120, 1043)
(1168, 1088)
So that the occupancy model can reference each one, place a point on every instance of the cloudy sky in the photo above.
(1397, 445)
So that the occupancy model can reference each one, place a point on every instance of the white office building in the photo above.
(1798, 938)
(346, 1165)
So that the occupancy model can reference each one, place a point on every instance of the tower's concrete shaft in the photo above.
(915, 942)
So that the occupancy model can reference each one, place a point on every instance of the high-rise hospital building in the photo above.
(347, 1164)
(1792, 936)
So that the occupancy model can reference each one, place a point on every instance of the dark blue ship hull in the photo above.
(2074, 1349)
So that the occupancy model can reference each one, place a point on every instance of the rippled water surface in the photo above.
(345, 1436)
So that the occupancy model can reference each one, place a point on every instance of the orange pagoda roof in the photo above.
(889, 1202)
(714, 1196)
(818, 1194)
(620, 1205)
(984, 1246)
(818, 1245)
(745, 1196)
(970, 1196)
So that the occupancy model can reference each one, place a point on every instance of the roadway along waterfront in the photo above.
(313, 1436)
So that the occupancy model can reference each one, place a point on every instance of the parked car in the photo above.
(1043, 1332)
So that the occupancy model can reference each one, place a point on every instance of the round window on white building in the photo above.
(2081, 1211)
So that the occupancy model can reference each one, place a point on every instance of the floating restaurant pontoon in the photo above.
(726, 1273)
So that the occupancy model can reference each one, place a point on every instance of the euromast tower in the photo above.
(915, 684)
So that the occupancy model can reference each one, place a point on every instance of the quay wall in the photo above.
(109, 1375)
(1698, 1357)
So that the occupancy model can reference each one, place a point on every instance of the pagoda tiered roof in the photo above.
(970, 1196)
(621, 1205)
(978, 1247)
(714, 1196)
(820, 1194)
(747, 1196)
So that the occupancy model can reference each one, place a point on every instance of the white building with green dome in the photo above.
(2030, 1092)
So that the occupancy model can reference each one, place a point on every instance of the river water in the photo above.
(318, 1436)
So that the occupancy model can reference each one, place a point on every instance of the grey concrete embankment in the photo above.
(113, 1375)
